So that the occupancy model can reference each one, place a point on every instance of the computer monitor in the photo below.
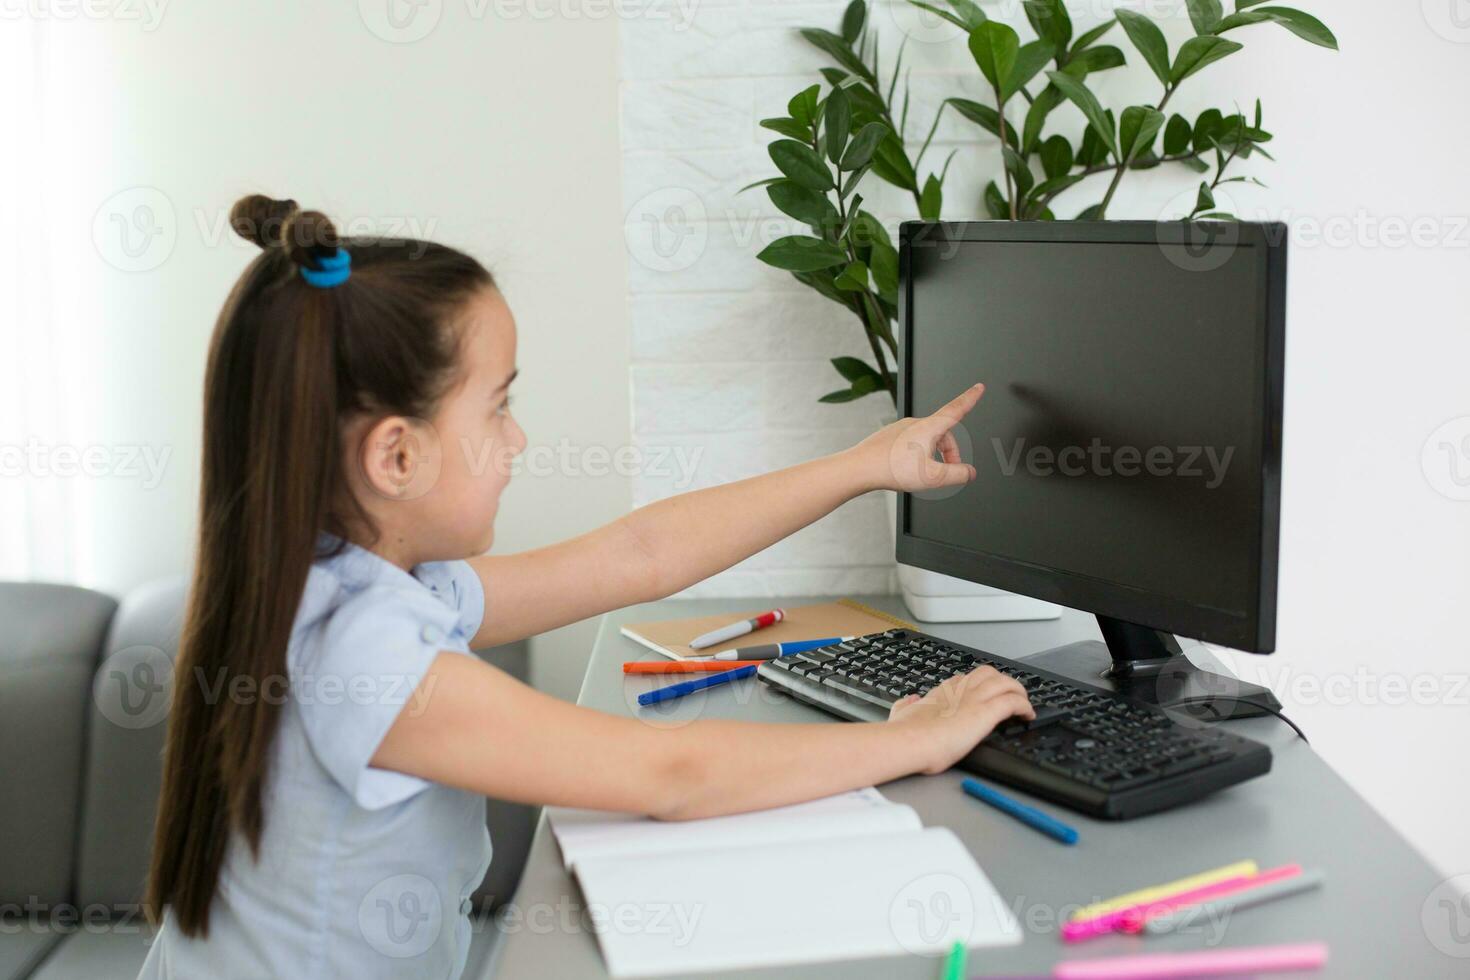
(1128, 447)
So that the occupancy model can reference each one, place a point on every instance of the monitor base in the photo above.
(1164, 681)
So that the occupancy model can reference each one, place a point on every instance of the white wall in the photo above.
(1371, 144)
(494, 133)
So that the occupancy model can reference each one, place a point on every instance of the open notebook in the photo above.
(849, 876)
(844, 617)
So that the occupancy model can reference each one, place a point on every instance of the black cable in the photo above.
(1210, 699)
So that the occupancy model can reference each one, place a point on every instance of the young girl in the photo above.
(332, 739)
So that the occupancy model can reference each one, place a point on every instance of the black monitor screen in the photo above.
(1120, 436)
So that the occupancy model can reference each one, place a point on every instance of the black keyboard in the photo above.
(1088, 748)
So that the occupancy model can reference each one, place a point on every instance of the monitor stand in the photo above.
(1146, 664)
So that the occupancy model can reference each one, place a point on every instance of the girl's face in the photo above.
(432, 486)
(478, 436)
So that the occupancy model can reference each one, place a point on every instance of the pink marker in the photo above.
(1133, 918)
(737, 629)
(1246, 960)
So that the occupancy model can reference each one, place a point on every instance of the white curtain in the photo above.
(38, 507)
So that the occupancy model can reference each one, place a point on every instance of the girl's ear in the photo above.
(400, 457)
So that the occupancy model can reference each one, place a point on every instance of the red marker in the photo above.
(737, 629)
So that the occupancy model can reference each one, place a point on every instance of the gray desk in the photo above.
(1369, 911)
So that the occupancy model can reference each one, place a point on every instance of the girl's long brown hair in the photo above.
(288, 363)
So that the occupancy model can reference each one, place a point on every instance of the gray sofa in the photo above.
(80, 772)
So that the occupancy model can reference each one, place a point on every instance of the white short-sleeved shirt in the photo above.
(363, 872)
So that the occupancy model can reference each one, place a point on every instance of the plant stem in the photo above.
(1000, 113)
(1102, 210)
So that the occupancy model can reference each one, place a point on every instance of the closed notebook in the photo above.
(844, 617)
(845, 877)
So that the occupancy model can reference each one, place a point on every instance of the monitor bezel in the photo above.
(1253, 631)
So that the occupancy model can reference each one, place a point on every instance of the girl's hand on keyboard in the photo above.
(961, 711)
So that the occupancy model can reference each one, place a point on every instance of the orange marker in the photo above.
(685, 666)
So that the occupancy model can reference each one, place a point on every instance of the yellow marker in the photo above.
(1145, 895)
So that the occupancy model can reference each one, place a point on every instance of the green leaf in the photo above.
(1149, 41)
(853, 368)
(1093, 150)
(855, 176)
(1100, 58)
(862, 386)
(994, 47)
(1196, 164)
(1302, 24)
(1176, 135)
(802, 253)
(1050, 20)
(1207, 128)
(1083, 98)
(801, 163)
(1198, 52)
(932, 199)
(1020, 172)
(1091, 37)
(971, 16)
(1205, 200)
(852, 279)
(941, 12)
(1030, 59)
(759, 183)
(1054, 186)
(995, 202)
(860, 150)
(1242, 18)
(868, 232)
(839, 51)
(1204, 15)
(983, 116)
(803, 204)
(821, 281)
(1242, 4)
(1049, 99)
(1056, 157)
(789, 127)
(836, 123)
(1137, 128)
(803, 105)
(852, 20)
(1089, 214)
(883, 262)
(892, 164)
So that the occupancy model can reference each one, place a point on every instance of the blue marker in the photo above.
(689, 687)
(772, 651)
(1031, 817)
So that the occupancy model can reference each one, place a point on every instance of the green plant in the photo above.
(832, 142)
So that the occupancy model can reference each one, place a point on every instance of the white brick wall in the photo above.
(729, 356)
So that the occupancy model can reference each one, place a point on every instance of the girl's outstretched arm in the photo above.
(472, 726)
(657, 550)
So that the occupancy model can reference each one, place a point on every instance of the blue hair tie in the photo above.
(335, 269)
